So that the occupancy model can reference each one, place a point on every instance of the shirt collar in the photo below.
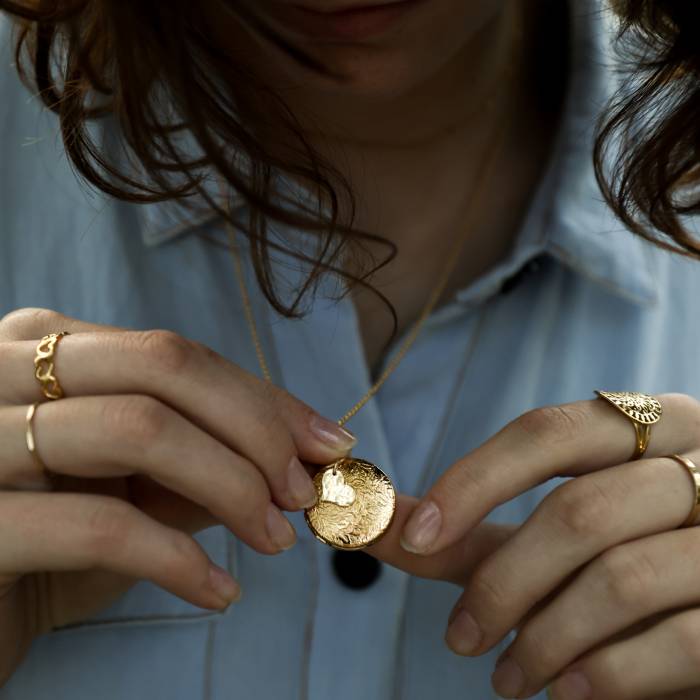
(568, 219)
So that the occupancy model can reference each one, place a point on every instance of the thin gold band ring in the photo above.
(31, 440)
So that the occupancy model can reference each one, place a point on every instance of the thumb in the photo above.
(454, 564)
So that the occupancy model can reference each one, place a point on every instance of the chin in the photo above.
(376, 74)
(383, 65)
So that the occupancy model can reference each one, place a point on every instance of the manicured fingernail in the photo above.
(422, 528)
(508, 679)
(571, 686)
(279, 528)
(224, 585)
(301, 486)
(331, 434)
(463, 634)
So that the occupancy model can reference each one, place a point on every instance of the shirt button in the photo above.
(355, 569)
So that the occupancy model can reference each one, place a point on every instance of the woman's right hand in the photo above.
(157, 437)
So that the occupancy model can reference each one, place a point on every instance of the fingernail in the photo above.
(331, 434)
(508, 679)
(301, 486)
(224, 585)
(422, 528)
(572, 686)
(279, 528)
(463, 634)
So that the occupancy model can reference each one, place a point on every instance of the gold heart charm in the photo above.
(335, 490)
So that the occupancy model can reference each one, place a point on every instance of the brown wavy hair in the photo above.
(126, 60)
(647, 149)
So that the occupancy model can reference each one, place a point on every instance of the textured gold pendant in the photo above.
(356, 503)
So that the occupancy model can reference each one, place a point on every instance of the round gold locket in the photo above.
(356, 504)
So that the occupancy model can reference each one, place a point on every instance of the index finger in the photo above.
(263, 423)
(566, 440)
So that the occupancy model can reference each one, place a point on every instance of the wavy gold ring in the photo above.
(44, 365)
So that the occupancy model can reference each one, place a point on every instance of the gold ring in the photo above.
(44, 365)
(695, 475)
(643, 410)
(31, 441)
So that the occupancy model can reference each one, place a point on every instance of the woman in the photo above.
(168, 475)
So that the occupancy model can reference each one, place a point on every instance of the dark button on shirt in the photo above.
(356, 569)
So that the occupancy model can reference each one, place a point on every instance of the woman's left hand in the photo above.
(600, 582)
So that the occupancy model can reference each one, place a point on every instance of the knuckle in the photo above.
(305, 412)
(552, 424)
(135, 420)
(108, 524)
(269, 395)
(689, 406)
(206, 353)
(538, 656)
(28, 317)
(629, 578)
(466, 476)
(610, 674)
(266, 415)
(581, 506)
(187, 552)
(685, 402)
(686, 629)
(163, 350)
(486, 593)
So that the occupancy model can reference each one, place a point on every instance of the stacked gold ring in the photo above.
(44, 367)
(44, 372)
(695, 476)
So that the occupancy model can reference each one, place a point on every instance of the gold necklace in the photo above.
(356, 499)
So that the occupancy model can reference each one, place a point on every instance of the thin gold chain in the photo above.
(412, 335)
(482, 179)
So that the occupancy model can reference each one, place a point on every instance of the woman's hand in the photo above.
(158, 437)
(599, 582)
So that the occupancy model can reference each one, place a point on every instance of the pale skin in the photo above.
(599, 579)
(143, 459)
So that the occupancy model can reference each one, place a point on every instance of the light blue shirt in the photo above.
(602, 309)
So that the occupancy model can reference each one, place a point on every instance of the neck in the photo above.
(413, 159)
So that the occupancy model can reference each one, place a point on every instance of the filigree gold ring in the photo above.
(643, 410)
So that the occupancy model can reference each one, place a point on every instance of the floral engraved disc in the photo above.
(639, 407)
(356, 503)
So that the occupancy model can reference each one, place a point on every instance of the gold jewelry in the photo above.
(346, 492)
(368, 501)
(31, 442)
(361, 520)
(643, 410)
(356, 499)
(695, 475)
(44, 365)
